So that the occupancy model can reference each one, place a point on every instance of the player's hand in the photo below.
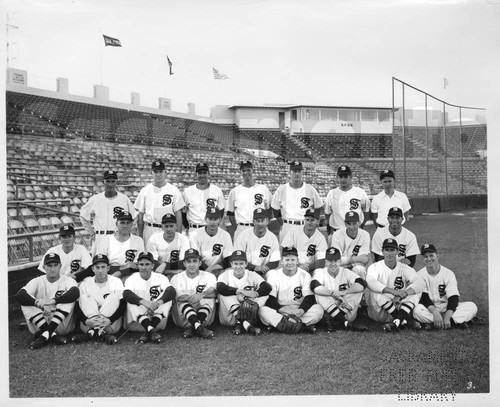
(150, 305)
(446, 322)
(405, 261)
(261, 269)
(161, 268)
(304, 266)
(291, 310)
(438, 320)
(103, 321)
(93, 322)
(195, 298)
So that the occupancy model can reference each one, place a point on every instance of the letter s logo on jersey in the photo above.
(258, 199)
(154, 292)
(116, 211)
(75, 265)
(401, 250)
(342, 287)
(217, 249)
(200, 288)
(210, 203)
(398, 283)
(167, 199)
(264, 251)
(355, 251)
(304, 202)
(354, 204)
(441, 290)
(130, 255)
(59, 293)
(174, 256)
(311, 250)
(297, 291)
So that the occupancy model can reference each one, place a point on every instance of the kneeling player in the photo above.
(47, 303)
(195, 301)
(439, 304)
(241, 293)
(338, 290)
(149, 296)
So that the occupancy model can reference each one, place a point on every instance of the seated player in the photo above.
(260, 244)
(149, 298)
(395, 290)
(168, 247)
(338, 290)
(309, 241)
(101, 305)
(291, 305)
(194, 307)
(241, 293)
(440, 305)
(47, 303)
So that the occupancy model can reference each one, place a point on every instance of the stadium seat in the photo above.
(32, 225)
(27, 213)
(56, 222)
(45, 224)
(67, 220)
(16, 227)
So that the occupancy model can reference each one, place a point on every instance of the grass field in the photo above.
(454, 361)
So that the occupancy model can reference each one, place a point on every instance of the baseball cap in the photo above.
(124, 215)
(110, 174)
(239, 255)
(311, 213)
(344, 170)
(395, 211)
(260, 213)
(296, 166)
(67, 230)
(201, 167)
(100, 258)
(389, 244)
(145, 255)
(387, 173)
(168, 218)
(158, 165)
(332, 254)
(213, 213)
(290, 250)
(351, 216)
(191, 254)
(244, 164)
(428, 248)
(52, 258)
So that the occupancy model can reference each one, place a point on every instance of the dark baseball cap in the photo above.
(290, 250)
(191, 254)
(427, 248)
(296, 166)
(395, 211)
(168, 218)
(387, 173)
(145, 255)
(244, 164)
(67, 230)
(202, 167)
(311, 213)
(239, 255)
(158, 165)
(389, 244)
(344, 170)
(100, 258)
(52, 258)
(110, 174)
(260, 213)
(124, 215)
(351, 216)
(332, 254)
(213, 213)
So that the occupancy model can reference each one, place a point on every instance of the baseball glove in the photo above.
(248, 311)
(290, 325)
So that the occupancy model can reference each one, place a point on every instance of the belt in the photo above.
(155, 225)
(294, 222)
(197, 226)
(104, 232)
(245, 224)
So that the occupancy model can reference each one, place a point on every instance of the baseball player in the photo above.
(345, 198)
(291, 303)
(194, 307)
(101, 304)
(98, 215)
(309, 241)
(168, 247)
(388, 198)
(338, 290)
(395, 289)
(291, 200)
(353, 244)
(74, 257)
(440, 305)
(408, 246)
(47, 303)
(241, 290)
(199, 197)
(259, 244)
(213, 243)
(149, 299)
(245, 198)
(155, 200)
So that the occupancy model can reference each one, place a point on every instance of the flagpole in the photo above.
(100, 49)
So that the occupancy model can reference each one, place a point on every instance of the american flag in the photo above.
(169, 65)
(112, 42)
(219, 75)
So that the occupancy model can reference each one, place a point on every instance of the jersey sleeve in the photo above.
(276, 201)
(412, 247)
(271, 280)
(228, 245)
(178, 203)
(86, 259)
(230, 201)
(183, 247)
(372, 279)
(221, 201)
(211, 281)
(319, 276)
(365, 242)
(451, 285)
(413, 279)
(87, 209)
(322, 248)
(306, 284)
(152, 247)
(268, 197)
(377, 242)
(375, 206)
(328, 203)
(318, 202)
(275, 250)
(365, 201)
(130, 207)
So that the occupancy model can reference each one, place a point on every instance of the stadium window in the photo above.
(329, 114)
(384, 116)
(312, 114)
(368, 115)
(294, 114)
(346, 115)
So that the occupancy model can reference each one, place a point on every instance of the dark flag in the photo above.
(112, 42)
(219, 75)
(169, 65)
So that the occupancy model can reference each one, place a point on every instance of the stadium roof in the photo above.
(283, 106)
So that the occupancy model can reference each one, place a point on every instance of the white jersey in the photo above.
(41, 288)
(294, 203)
(149, 289)
(213, 249)
(339, 202)
(186, 285)
(351, 247)
(381, 203)
(407, 242)
(289, 290)
(168, 252)
(250, 280)
(259, 250)
(120, 253)
(344, 280)
(70, 262)
(379, 276)
(99, 292)
(155, 202)
(198, 200)
(244, 200)
(105, 210)
(440, 287)
(310, 249)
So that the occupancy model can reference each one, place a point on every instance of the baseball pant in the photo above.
(239, 229)
(135, 311)
(192, 231)
(148, 231)
(105, 307)
(286, 228)
(375, 301)
(360, 270)
(64, 328)
(182, 322)
(329, 303)
(229, 306)
(464, 313)
(270, 316)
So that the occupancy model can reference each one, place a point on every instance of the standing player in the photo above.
(149, 296)
(199, 197)
(345, 198)
(338, 290)
(241, 293)
(155, 200)
(168, 247)
(213, 243)
(440, 305)
(408, 246)
(388, 198)
(47, 303)
(260, 244)
(395, 289)
(74, 257)
(245, 198)
(194, 308)
(309, 242)
(291, 303)
(291, 200)
(98, 215)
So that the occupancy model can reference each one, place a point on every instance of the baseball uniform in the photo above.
(310, 249)
(70, 262)
(259, 250)
(213, 249)
(339, 202)
(163, 251)
(120, 253)
(381, 203)
(197, 201)
(352, 247)
(407, 242)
